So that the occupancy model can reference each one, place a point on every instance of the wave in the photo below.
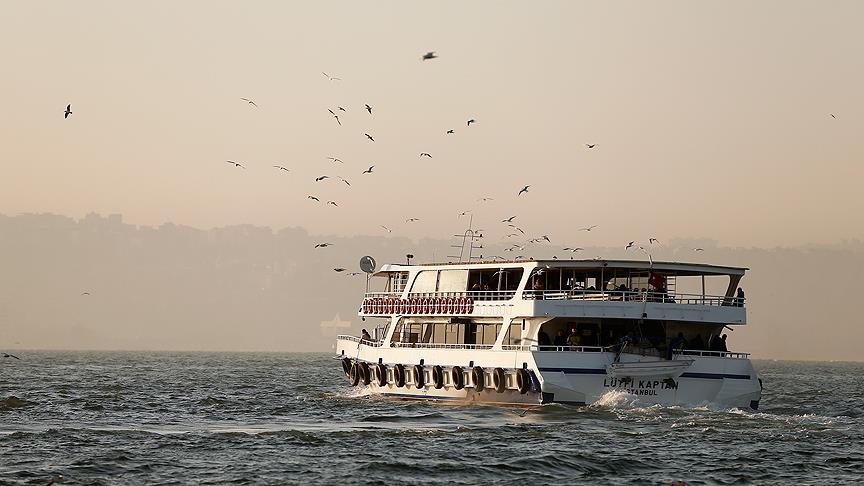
(13, 402)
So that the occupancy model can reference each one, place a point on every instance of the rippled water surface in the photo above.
(286, 418)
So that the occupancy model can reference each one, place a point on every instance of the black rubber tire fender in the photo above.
(499, 380)
(478, 376)
(399, 375)
(381, 374)
(419, 378)
(456, 375)
(523, 381)
(364, 373)
(346, 366)
(438, 376)
(354, 374)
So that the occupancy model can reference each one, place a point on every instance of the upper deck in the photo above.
(577, 288)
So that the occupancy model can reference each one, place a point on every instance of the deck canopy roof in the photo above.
(677, 268)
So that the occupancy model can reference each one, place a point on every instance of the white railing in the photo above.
(397, 344)
(480, 295)
(558, 349)
(633, 296)
(712, 354)
(355, 339)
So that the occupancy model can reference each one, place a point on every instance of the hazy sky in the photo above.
(710, 119)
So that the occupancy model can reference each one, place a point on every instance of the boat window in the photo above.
(426, 281)
(494, 279)
(482, 333)
(453, 281)
(514, 333)
(398, 281)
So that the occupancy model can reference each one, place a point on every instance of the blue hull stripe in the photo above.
(595, 371)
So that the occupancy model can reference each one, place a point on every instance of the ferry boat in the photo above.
(567, 331)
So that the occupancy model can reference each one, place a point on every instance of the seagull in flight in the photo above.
(352, 274)
(411, 220)
(331, 78)
(471, 121)
(651, 241)
(7, 355)
(323, 245)
(321, 178)
(314, 199)
(517, 228)
(451, 131)
(590, 145)
(588, 228)
(573, 250)
(69, 111)
(368, 108)
(339, 269)
(832, 115)
(429, 55)
(332, 203)
(545, 237)
(344, 180)
(282, 168)
(369, 170)
(464, 213)
(425, 154)
(247, 100)
(386, 229)
(485, 199)
(511, 235)
(335, 116)
(524, 189)
(335, 159)
(85, 293)
(369, 137)
(698, 249)
(508, 220)
(236, 164)
(341, 109)
(629, 245)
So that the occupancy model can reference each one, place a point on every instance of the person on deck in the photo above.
(721, 346)
(543, 338)
(697, 343)
(676, 344)
(574, 339)
(365, 336)
(560, 339)
(739, 298)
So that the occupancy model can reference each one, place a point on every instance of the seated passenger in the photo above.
(543, 338)
(676, 344)
(365, 336)
(560, 339)
(537, 288)
(574, 340)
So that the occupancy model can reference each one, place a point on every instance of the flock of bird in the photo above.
(515, 231)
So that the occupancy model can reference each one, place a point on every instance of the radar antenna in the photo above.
(470, 242)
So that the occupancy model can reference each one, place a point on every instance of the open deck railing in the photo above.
(633, 296)
(441, 346)
(481, 296)
(714, 354)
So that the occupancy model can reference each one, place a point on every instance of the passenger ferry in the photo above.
(565, 331)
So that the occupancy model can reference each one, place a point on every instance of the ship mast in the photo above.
(470, 242)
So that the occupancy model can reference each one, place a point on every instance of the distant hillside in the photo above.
(253, 288)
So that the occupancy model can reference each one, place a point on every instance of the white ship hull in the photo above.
(573, 377)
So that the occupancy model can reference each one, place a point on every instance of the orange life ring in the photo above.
(470, 308)
(451, 305)
(426, 305)
(436, 305)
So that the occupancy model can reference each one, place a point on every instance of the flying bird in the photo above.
(323, 245)
(425, 154)
(411, 220)
(313, 198)
(429, 55)
(331, 78)
(339, 269)
(545, 237)
(629, 245)
(353, 274)
(335, 159)
(698, 249)
(511, 235)
(247, 100)
(321, 178)
(832, 114)
(590, 145)
(69, 111)
(344, 180)
(368, 108)
(332, 203)
(471, 121)
(651, 241)
(369, 170)
(386, 229)
(508, 220)
(517, 228)
(337, 120)
(282, 168)
(369, 137)
(463, 213)
(85, 293)
(341, 109)
(7, 355)
(573, 250)
(485, 199)
(524, 189)
(588, 228)
(451, 131)
(236, 164)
